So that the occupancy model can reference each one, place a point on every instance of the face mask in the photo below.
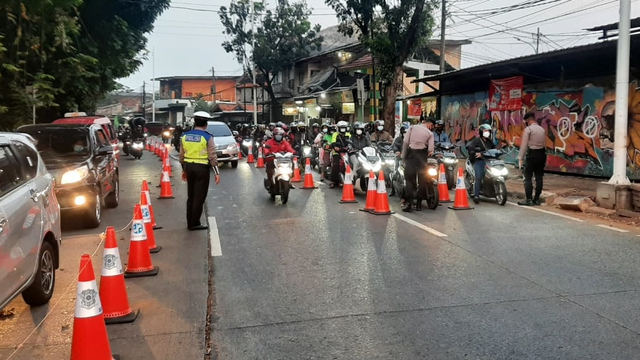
(380, 128)
(325, 130)
(78, 148)
(486, 134)
(343, 130)
(278, 137)
(359, 132)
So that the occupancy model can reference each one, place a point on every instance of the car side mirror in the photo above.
(105, 150)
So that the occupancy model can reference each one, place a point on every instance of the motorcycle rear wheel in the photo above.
(433, 197)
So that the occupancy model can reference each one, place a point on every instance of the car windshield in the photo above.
(60, 144)
(219, 130)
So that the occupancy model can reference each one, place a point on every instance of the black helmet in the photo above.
(439, 122)
(358, 125)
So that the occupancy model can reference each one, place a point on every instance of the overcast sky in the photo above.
(187, 37)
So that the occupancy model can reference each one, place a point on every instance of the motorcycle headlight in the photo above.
(450, 161)
(137, 145)
(377, 166)
(306, 150)
(247, 142)
(496, 172)
(505, 172)
(166, 133)
(75, 175)
(389, 162)
(432, 171)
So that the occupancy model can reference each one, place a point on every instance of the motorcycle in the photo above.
(388, 157)
(247, 145)
(429, 189)
(167, 135)
(446, 156)
(282, 173)
(494, 182)
(137, 148)
(126, 146)
(309, 152)
(368, 160)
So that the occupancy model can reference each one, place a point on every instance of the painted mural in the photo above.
(579, 125)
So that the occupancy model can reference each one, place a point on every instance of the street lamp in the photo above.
(534, 48)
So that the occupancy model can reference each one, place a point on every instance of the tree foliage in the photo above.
(392, 30)
(282, 36)
(70, 51)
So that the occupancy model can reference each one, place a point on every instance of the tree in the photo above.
(392, 37)
(202, 105)
(283, 36)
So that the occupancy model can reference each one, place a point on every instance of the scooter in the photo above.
(308, 152)
(281, 185)
(446, 156)
(368, 160)
(246, 146)
(494, 182)
(388, 158)
(126, 146)
(167, 135)
(430, 188)
(137, 148)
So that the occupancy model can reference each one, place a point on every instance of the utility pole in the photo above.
(144, 101)
(622, 97)
(213, 87)
(538, 41)
(153, 86)
(443, 25)
(253, 65)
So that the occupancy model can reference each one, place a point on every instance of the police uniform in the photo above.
(197, 156)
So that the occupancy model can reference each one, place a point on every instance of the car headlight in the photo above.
(73, 176)
(496, 172)
(432, 171)
(232, 146)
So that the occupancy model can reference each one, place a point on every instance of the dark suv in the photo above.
(82, 160)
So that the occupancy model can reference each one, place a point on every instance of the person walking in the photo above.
(533, 149)
(417, 147)
(197, 157)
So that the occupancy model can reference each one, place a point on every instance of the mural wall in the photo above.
(579, 125)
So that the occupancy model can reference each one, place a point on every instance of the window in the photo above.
(29, 159)
(101, 138)
(219, 130)
(9, 177)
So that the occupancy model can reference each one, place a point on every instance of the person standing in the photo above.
(197, 157)
(533, 149)
(418, 145)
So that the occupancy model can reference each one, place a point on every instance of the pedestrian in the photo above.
(533, 149)
(475, 148)
(416, 148)
(197, 157)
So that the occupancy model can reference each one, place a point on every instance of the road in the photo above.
(314, 279)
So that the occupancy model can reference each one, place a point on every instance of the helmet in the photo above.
(439, 122)
(315, 125)
(343, 125)
(278, 134)
(358, 125)
(333, 128)
(201, 114)
(302, 125)
(404, 127)
(279, 124)
(239, 126)
(293, 124)
(245, 125)
(261, 126)
(485, 127)
(272, 125)
(379, 123)
(285, 127)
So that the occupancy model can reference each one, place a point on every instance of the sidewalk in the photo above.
(555, 185)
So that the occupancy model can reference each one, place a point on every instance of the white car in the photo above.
(29, 223)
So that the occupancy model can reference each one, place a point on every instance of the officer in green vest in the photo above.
(198, 157)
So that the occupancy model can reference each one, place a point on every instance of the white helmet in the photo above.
(342, 123)
(202, 114)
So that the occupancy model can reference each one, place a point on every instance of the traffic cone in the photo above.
(461, 200)
(308, 176)
(158, 150)
(165, 186)
(151, 145)
(145, 193)
(260, 163)
(139, 263)
(348, 195)
(381, 206)
(147, 145)
(166, 162)
(372, 193)
(90, 339)
(296, 171)
(148, 227)
(113, 291)
(443, 188)
(250, 159)
(239, 152)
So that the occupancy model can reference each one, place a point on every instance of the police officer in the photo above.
(198, 156)
(416, 148)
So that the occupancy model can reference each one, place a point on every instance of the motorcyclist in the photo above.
(275, 145)
(301, 135)
(137, 128)
(269, 131)
(397, 149)
(359, 141)
(339, 143)
(439, 136)
(380, 135)
(315, 130)
(475, 148)
(323, 143)
(259, 134)
(177, 134)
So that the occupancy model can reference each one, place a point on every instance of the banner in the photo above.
(506, 94)
(414, 109)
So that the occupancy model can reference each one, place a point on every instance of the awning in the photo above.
(318, 79)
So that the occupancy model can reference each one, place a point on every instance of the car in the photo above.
(30, 232)
(83, 162)
(104, 122)
(226, 146)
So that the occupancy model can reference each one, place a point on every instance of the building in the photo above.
(186, 87)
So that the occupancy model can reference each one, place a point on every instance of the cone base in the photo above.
(383, 213)
(310, 187)
(152, 272)
(460, 208)
(166, 197)
(156, 249)
(445, 202)
(347, 201)
(367, 210)
(124, 319)
(156, 227)
(115, 357)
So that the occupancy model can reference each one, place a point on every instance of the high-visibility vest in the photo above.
(195, 144)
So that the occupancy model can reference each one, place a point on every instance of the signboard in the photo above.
(414, 109)
(323, 99)
(348, 108)
(347, 96)
(310, 102)
(289, 109)
(506, 94)
(398, 111)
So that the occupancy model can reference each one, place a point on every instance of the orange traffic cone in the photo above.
(147, 145)
(308, 176)
(260, 163)
(296, 171)
(372, 193)
(166, 162)
(139, 263)
(239, 152)
(145, 193)
(113, 291)
(250, 159)
(461, 200)
(381, 206)
(443, 188)
(151, 145)
(148, 227)
(90, 339)
(348, 195)
(165, 186)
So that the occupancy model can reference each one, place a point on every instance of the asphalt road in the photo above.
(315, 279)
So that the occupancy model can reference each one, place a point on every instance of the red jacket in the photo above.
(277, 147)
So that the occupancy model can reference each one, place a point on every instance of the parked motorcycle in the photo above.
(429, 189)
(445, 155)
(137, 148)
(283, 171)
(494, 183)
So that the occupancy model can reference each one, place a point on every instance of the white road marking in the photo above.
(214, 238)
(613, 228)
(418, 225)
(545, 211)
